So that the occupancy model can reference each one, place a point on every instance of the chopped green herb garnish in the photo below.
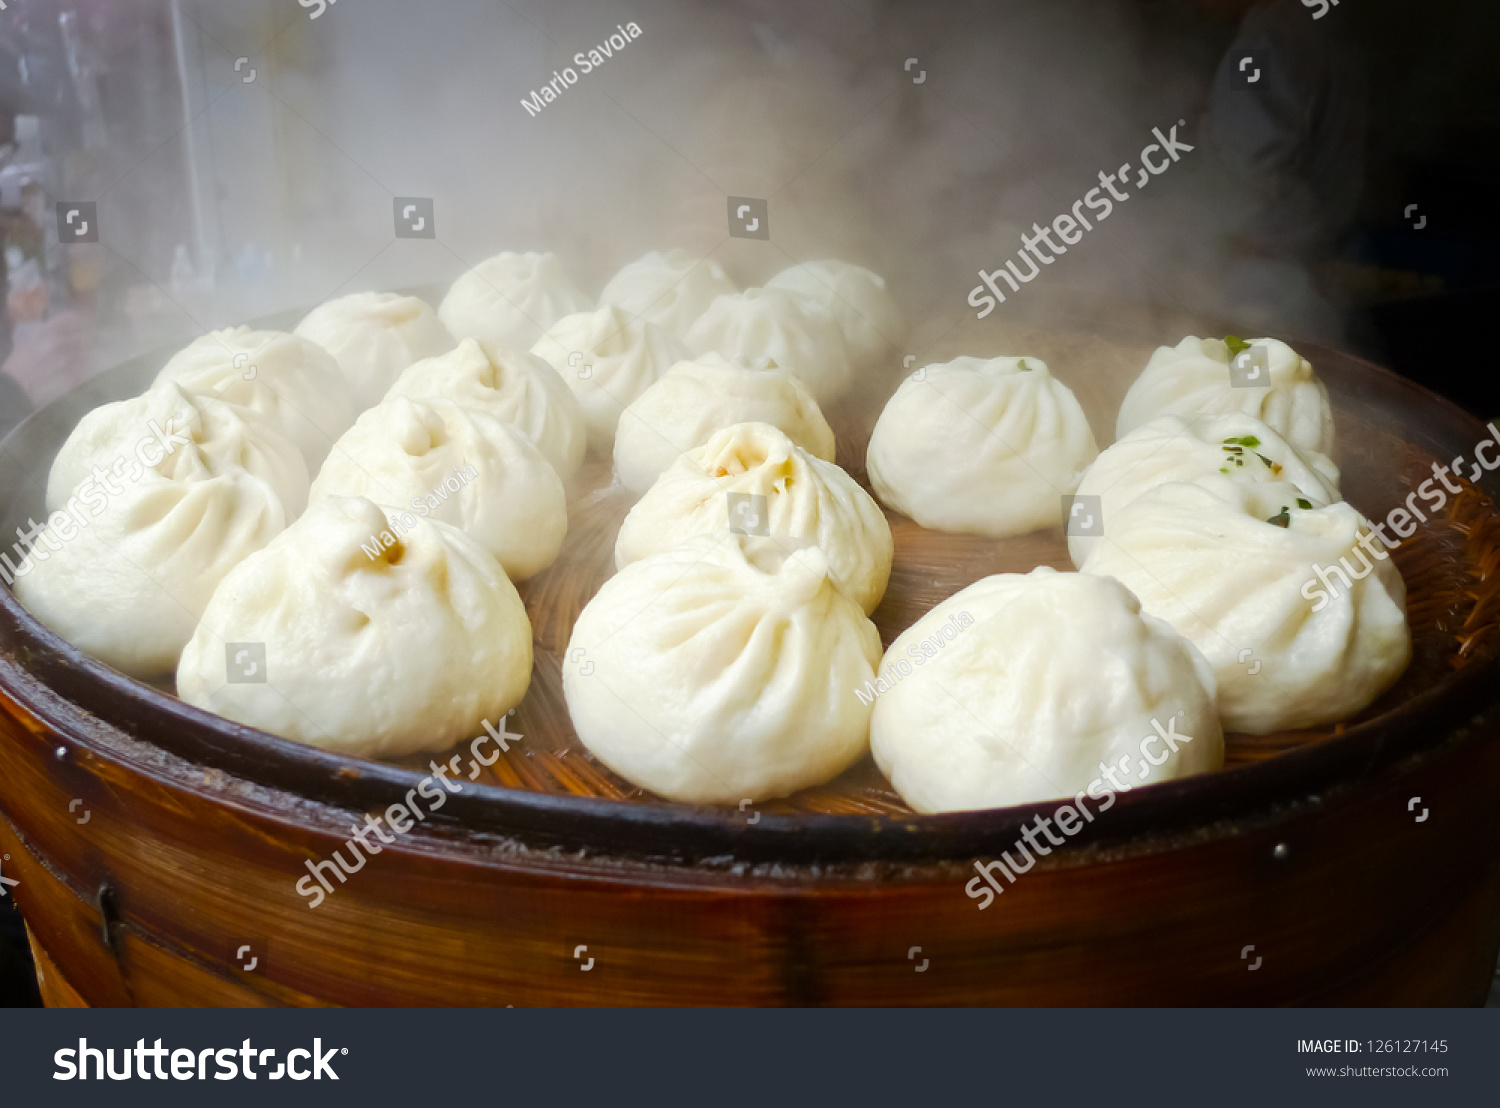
(1303, 504)
(1245, 440)
(1021, 364)
(1235, 344)
(1283, 518)
(1269, 464)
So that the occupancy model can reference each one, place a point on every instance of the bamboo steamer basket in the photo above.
(153, 843)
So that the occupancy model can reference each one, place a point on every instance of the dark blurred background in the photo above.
(1423, 290)
(17, 977)
(1344, 197)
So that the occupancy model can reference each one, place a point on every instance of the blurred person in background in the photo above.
(49, 117)
(1288, 120)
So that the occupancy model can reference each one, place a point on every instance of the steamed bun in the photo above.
(722, 670)
(1025, 687)
(459, 466)
(1212, 451)
(168, 416)
(511, 299)
(290, 380)
(805, 499)
(607, 359)
(696, 398)
(129, 584)
(513, 386)
(1193, 379)
(857, 298)
(401, 652)
(373, 336)
(776, 329)
(1239, 576)
(670, 289)
(984, 446)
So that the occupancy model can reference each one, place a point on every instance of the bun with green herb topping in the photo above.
(1213, 452)
(1264, 378)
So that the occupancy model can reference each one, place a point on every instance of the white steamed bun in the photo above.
(165, 415)
(1288, 652)
(128, 586)
(985, 446)
(373, 336)
(402, 652)
(511, 299)
(722, 670)
(607, 359)
(1025, 687)
(1211, 451)
(511, 385)
(291, 380)
(1193, 379)
(805, 499)
(866, 313)
(459, 466)
(670, 289)
(694, 399)
(776, 329)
